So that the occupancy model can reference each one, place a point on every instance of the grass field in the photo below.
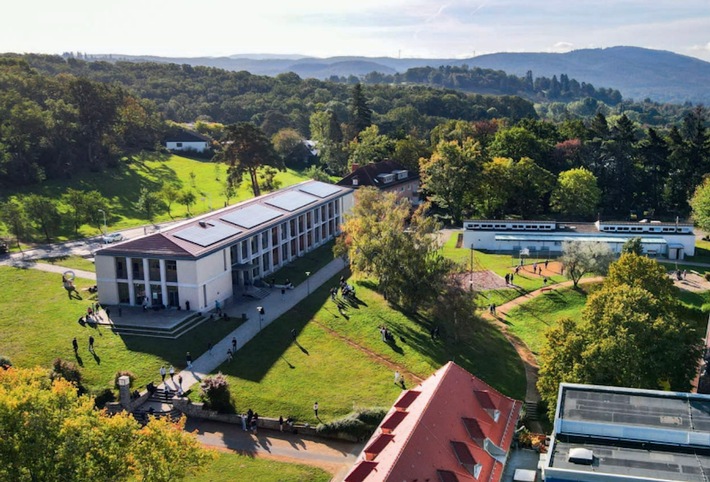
(38, 322)
(531, 320)
(122, 186)
(243, 468)
(71, 262)
(274, 375)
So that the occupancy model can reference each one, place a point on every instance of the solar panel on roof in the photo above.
(291, 201)
(206, 233)
(251, 216)
(320, 189)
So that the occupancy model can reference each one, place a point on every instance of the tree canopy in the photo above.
(579, 258)
(629, 335)
(383, 240)
(51, 434)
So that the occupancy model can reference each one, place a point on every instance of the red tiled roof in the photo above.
(436, 435)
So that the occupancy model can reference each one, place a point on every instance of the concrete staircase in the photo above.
(174, 332)
(158, 405)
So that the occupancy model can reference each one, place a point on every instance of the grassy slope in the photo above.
(71, 262)
(38, 322)
(122, 186)
(236, 467)
(274, 376)
(531, 320)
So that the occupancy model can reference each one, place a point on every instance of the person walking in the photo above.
(188, 359)
(493, 309)
(171, 370)
(281, 423)
(75, 345)
(162, 373)
(315, 409)
(396, 377)
(91, 344)
(244, 422)
(209, 347)
(546, 261)
(180, 381)
(229, 354)
(234, 344)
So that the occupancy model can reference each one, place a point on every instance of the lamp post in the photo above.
(308, 281)
(104, 213)
(471, 281)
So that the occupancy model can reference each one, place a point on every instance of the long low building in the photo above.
(545, 238)
(195, 263)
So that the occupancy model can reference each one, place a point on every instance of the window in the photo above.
(121, 268)
(178, 144)
(265, 239)
(266, 261)
(245, 255)
(308, 220)
(292, 226)
(283, 231)
(254, 245)
(224, 258)
(316, 215)
(154, 269)
(171, 270)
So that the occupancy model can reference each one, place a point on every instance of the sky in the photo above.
(324, 28)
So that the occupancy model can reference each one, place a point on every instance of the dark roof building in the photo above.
(624, 434)
(387, 176)
(451, 427)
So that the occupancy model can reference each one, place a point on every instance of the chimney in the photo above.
(354, 167)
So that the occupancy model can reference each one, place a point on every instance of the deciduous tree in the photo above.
(580, 258)
(43, 213)
(576, 193)
(401, 252)
(700, 203)
(246, 148)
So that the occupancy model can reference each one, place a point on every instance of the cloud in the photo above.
(705, 47)
(561, 47)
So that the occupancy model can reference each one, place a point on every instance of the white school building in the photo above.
(205, 259)
(545, 238)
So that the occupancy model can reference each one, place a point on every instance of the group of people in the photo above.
(250, 421)
(387, 335)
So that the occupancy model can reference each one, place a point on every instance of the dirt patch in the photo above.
(692, 282)
(482, 280)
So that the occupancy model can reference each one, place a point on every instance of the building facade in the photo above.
(545, 238)
(195, 263)
(387, 176)
(187, 141)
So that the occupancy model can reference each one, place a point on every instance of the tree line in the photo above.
(53, 126)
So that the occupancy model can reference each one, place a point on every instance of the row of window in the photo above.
(526, 227)
(153, 269)
(645, 229)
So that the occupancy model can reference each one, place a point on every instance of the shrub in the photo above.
(130, 375)
(5, 362)
(104, 396)
(68, 371)
(214, 392)
(360, 424)
(707, 276)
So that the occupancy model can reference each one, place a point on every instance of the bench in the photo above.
(546, 289)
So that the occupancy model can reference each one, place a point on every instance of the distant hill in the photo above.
(637, 72)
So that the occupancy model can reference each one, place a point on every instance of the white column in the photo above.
(131, 287)
(146, 280)
(163, 282)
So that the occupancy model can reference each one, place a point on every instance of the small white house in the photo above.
(187, 141)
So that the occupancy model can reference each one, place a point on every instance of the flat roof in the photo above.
(634, 462)
(649, 434)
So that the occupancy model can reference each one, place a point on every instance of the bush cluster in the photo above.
(214, 392)
(361, 423)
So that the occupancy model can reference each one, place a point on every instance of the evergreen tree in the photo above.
(360, 112)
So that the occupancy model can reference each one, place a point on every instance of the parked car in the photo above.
(113, 238)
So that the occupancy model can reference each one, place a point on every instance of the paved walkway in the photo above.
(335, 456)
(274, 305)
(31, 264)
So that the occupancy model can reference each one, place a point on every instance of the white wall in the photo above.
(211, 273)
(200, 146)
(107, 285)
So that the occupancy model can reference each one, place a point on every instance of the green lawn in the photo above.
(38, 322)
(531, 320)
(702, 252)
(236, 467)
(122, 185)
(71, 262)
(275, 376)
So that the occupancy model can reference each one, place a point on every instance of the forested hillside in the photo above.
(52, 126)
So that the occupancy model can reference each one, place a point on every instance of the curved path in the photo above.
(529, 360)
